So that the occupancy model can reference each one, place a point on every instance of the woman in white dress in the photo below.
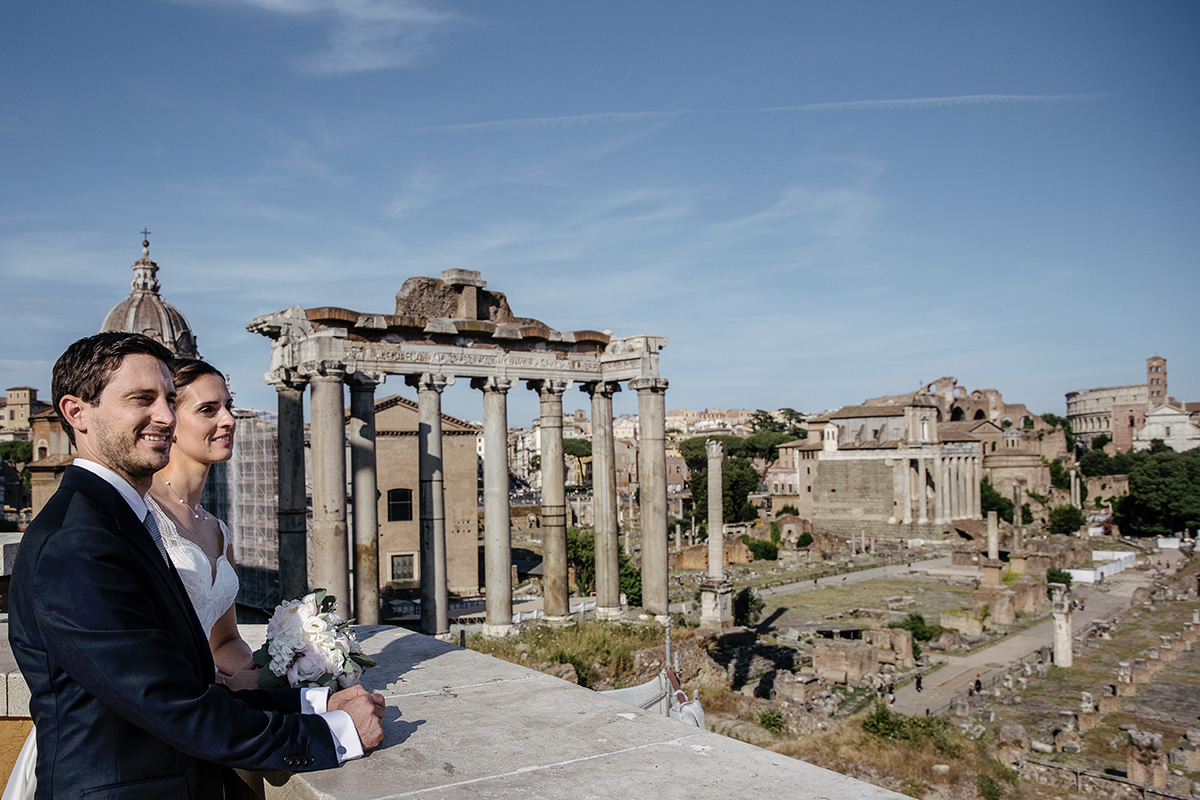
(197, 542)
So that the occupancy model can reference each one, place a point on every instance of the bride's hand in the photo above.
(243, 679)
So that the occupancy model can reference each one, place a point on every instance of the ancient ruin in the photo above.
(441, 330)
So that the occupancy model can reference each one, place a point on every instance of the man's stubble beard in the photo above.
(120, 451)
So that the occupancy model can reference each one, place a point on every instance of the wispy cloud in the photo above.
(616, 117)
(364, 35)
(932, 102)
(533, 123)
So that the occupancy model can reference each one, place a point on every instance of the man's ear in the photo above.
(74, 411)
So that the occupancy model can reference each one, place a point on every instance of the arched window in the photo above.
(399, 505)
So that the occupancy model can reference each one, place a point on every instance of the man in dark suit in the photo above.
(121, 675)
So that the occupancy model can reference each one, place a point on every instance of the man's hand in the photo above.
(366, 709)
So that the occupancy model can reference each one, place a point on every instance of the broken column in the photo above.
(1145, 759)
(716, 593)
(993, 536)
(1089, 714)
(1075, 493)
(1061, 611)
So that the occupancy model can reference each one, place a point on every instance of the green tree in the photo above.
(765, 444)
(789, 509)
(1159, 446)
(991, 500)
(1060, 477)
(1164, 494)
(763, 551)
(1096, 462)
(793, 419)
(16, 452)
(805, 540)
(1065, 519)
(1100, 440)
(581, 555)
(765, 421)
(747, 607)
(1057, 575)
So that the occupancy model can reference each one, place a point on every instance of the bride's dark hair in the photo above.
(185, 371)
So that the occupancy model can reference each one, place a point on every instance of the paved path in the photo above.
(887, 571)
(952, 680)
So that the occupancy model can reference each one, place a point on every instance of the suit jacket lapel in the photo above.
(142, 547)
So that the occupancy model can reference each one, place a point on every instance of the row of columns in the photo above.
(329, 563)
(956, 488)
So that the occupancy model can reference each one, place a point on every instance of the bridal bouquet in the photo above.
(309, 645)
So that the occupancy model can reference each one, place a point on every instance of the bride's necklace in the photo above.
(196, 512)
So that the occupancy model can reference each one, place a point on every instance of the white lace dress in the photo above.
(211, 597)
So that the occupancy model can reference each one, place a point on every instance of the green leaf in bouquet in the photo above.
(261, 656)
(269, 680)
(362, 659)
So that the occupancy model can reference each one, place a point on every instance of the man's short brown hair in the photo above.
(89, 364)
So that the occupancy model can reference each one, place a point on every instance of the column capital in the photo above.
(549, 386)
(364, 380)
(429, 381)
(315, 371)
(714, 449)
(284, 379)
(648, 384)
(493, 384)
(604, 388)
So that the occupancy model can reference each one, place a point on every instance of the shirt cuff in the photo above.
(314, 700)
(345, 737)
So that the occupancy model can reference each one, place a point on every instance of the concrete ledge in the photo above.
(460, 724)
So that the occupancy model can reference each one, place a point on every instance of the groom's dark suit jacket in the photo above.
(120, 672)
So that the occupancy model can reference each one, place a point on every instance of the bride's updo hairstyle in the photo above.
(185, 371)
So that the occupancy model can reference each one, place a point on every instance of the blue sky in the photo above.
(815, 202)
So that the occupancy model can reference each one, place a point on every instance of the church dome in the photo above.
(146, 312)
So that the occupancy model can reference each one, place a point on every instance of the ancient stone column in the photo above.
(497, 533)
(906, 489)
(366, 497)
(1018, 516)
(993, 536)
(292, 512)
(1075, 494)
(922, 511)
(965, 503)
(954, 486)
(939, 490)
(652, 479)
(331, 567)
(977, 488)
(1061, 611)
(716, 593)
(431, 475)
(554, 500)
(678, 537)
(716, 510)
(604, 501)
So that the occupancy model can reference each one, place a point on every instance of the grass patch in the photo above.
(582, 645)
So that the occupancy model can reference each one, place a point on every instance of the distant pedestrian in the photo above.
(920, 684)
(978, 685)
